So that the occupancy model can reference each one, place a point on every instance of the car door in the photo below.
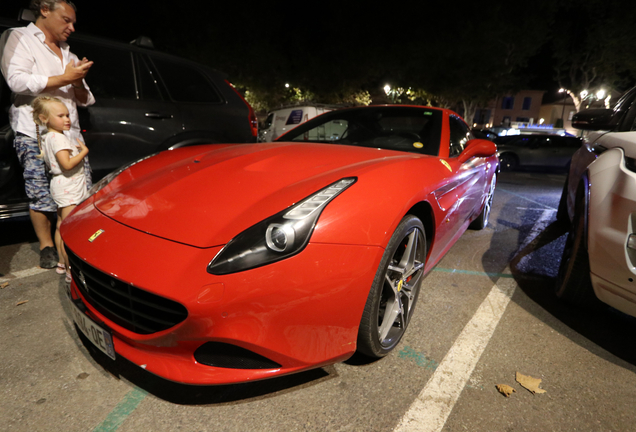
(470, 177)
(529, 150)
(131, 115)
(202, 106)
(552, 151)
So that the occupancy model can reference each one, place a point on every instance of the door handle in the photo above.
(156, 115)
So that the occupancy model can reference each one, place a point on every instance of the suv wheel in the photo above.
(562, 212)
(573, 281)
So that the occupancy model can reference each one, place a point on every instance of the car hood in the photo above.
(205, 196)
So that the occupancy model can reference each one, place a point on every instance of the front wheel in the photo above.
(394, 291)
(482, 220)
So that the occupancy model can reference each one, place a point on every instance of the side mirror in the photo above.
(477, 148)
(595, 119)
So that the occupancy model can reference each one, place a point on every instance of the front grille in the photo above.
(132, 308)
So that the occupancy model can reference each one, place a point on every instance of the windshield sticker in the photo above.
(418, 145)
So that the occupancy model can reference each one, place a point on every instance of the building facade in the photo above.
(519, 108)
(559, 114)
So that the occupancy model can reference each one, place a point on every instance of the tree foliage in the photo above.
(453, 54)
(593, 47)
(484, 55)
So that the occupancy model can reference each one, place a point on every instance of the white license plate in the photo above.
(101, 338)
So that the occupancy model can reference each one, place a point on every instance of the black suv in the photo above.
(146, 102)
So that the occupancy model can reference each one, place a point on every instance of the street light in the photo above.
(563, 109)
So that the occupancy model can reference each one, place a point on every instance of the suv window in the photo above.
(629, 123)
(186, 84)
(148, 81)
(111, 77)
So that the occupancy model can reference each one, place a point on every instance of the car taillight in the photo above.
(251, 116)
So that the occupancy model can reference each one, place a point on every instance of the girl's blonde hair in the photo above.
(40, 106)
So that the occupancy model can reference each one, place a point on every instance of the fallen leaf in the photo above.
(505, 389)
(529, 383)
(21, 302)
(4, 285)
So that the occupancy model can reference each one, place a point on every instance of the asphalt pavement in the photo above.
(485, 313)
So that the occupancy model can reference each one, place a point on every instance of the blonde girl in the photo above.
(65, 162)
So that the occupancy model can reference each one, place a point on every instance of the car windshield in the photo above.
(410, 129)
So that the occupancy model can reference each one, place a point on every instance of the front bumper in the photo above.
(612, 220)
(301, 313)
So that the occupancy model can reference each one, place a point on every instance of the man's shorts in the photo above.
(36, 182)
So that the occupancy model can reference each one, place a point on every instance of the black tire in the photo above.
(508, 162)
(397, 284)
(573, 280)
(562, 211)
(482, 220)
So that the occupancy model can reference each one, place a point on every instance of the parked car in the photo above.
(485, 133)
(598, 205)
(147, 101)
(284, 119)
(536, 151)
(223, 264)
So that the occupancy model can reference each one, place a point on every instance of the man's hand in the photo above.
(75, 73)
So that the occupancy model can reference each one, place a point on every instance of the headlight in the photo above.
(111, 176)
(277, 237)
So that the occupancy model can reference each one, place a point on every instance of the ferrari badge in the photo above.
(94, 236)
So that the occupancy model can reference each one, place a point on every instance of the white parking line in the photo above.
(432, 407)
(430, 410)
(23, 273)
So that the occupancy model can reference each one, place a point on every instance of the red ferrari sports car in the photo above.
(220, 264)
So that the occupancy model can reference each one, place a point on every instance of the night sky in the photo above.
(278, 40)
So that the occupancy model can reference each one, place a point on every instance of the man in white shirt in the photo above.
(34, 60)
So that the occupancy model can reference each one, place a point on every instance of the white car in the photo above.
(285, 119)
(599, 204)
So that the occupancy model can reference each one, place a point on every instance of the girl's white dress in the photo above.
(67, 187)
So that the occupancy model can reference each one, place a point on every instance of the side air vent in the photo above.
(224, 355)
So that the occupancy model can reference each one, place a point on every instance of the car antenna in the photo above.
(143, 41)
